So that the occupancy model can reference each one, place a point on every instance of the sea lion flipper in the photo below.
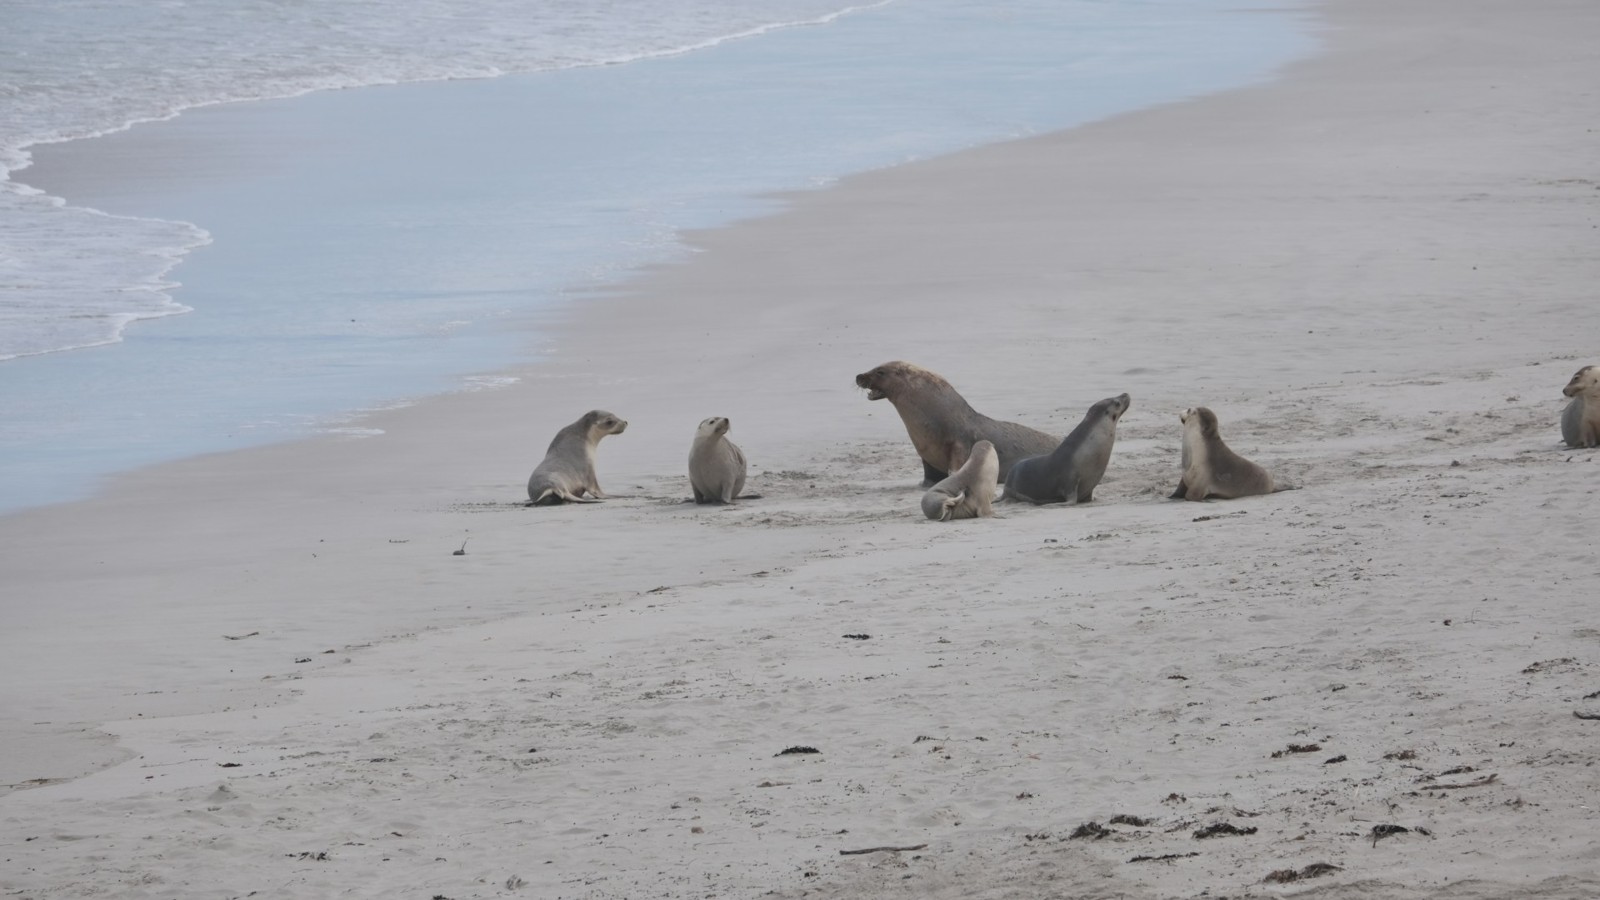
(950, 505)
(1178, 494)
(932, 476)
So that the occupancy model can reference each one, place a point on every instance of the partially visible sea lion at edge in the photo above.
(716, 465)
(969, 493)
(567, 472)
(1580, 421)
(1210, 469)
(943, 426)
(1072, 470)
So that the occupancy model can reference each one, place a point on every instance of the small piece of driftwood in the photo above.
(882, 850)
(1487, 779)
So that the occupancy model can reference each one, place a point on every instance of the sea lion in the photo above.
(1210, 469)
(716, 465)
(1073, 469)
(1580, 421)
(969, 492)
(942, 426)
(567, 472)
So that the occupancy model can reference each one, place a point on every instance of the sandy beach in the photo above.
(272, 673)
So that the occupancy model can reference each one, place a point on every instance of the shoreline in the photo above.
(339, 278)
(1279, 253)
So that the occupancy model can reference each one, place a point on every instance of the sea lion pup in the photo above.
(567, 472)
(968, 493)
(1580, 421)
(716, 465)
(942, 426)
(1210, 469)
(1073, 469)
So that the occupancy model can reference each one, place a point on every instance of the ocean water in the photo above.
(316, 252)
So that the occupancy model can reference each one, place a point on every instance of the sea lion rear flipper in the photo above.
(950, 504)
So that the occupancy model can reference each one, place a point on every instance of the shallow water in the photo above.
(373, 245)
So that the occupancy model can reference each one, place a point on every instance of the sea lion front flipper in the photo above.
(932, 476)
(1178, 494)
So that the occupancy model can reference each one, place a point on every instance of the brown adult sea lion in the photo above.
(943, 426)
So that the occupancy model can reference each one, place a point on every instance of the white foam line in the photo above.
(16, 158)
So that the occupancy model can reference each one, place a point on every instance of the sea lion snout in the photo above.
(865, 380)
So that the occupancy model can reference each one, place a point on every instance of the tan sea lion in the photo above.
(567, 472)
(1580, 421)
(716, 465)
(1210, 469)
(1074, 468)
(942, 426)
(969, 492)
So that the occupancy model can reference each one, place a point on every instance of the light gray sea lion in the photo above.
(1073, 469)
(716, 465)
(1210, 469)
(968, 493)
(1580, 421)
(942, 425)
(567, 472)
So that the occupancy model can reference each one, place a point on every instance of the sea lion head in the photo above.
(1205, 419)
(600, 423)
(896, 379)
(1586, 378)
(1113, 407)
(714, 426)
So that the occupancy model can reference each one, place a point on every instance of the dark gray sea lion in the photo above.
(1072, 470)
(1580, 421)
(716, 465)
(942, 425)
(567, 472)
(969, 493)
(1210, 469)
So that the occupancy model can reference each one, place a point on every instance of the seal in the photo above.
(968, 493)
(567, 472)
(1073, 469)
(716, 465)
(942, 425)
(1210, 469)
(1580, 421)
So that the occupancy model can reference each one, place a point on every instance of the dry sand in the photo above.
(1378, 270)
